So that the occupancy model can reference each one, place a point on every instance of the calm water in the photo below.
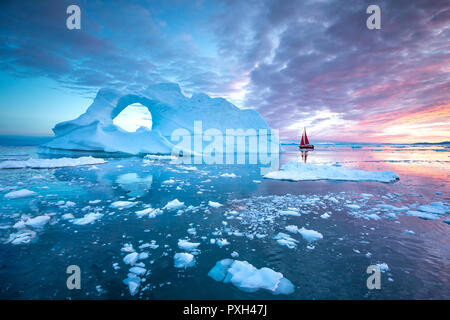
(331, 268)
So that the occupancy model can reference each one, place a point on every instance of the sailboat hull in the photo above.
(306, 147)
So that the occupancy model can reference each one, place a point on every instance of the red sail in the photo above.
(306, 138)
(302, 142)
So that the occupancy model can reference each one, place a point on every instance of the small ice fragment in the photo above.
(174, 205)
(183, 260)
(214, 204)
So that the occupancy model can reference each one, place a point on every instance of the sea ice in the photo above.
(310, 235)
(183, 260)
(50, 163)
(186, 245)
(88, 218)
(423, 215)
(174, 205)
(297, 171)
(131, 258)
(23, 193)
(122, 204)
(246, 277)
(38, 222)
(214, 204)
(435, 208)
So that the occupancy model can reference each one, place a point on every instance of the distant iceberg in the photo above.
(170, 109)
(297, 171)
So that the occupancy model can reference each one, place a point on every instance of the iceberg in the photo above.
(170, 110)
(297, 171)
(248, 278)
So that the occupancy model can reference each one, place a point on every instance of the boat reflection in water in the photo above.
(304, 155)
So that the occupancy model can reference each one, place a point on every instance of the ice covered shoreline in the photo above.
(297, 171)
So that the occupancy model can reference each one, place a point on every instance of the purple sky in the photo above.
(299, 63)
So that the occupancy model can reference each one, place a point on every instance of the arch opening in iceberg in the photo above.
(134, 117)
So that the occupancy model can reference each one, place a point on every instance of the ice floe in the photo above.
(183, 260)
(297, 171)
(174, 205)
(122, 204)
(51, 163)
(23, 193)
(186, 245)
(88, 218)
(248, 278)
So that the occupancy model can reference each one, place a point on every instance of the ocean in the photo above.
(227, 212)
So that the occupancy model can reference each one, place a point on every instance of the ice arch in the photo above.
(94, 130)
(134, 117)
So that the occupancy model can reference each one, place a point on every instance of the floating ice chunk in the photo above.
(127, 247)
(131, 258)
(409, 232)
(297, 171)
(234, 254)
(214, 204)
(122, 204)
(246, 277)
(50, 163)
(289, 213)
(183, 260)
(228, 175)
(21, 237)
(151, 212)
(325, 216)
(68, 216)
(138, 271)
(222, 242)
(23, 193)
(88, 218)
(160, 157)
(186, 245)
(435, 208)
(423, 215)
(133, 283)
(143, 255)
(372, 216)
(292, 228)
(95, 201)
(390, 207)
(383, 267)
(174, 205)
(38, 222)
(353, 206)
(285, 240)
(310, 235)
(333, 199)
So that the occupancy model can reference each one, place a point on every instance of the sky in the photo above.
(310, 63)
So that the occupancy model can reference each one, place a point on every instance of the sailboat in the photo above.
(304, 143)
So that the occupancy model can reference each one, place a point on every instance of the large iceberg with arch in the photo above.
(171, 111)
